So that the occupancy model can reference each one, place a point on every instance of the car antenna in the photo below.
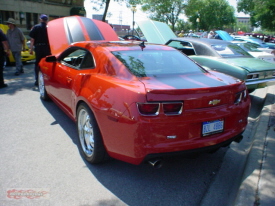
(142, 45)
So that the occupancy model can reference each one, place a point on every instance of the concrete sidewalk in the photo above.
(258, 180)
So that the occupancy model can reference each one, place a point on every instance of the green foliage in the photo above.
(243, 27)
(182, 25)
(167, 11)
(210, 14)
(262, 12)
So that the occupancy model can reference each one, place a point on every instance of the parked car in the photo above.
(218, 55)
(138, 102)
(256, 41)
(25, 55)
(253, 50)
(264, 37)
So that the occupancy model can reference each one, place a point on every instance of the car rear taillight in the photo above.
(153, 109)
(172, 108)
(240, 96)
(148, 109)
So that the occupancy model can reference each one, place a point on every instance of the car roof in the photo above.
(202, 41)
(246, 37)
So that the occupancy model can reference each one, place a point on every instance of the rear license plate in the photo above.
(212, 127)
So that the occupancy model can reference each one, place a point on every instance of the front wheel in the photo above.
(41, 86)
(89, 136)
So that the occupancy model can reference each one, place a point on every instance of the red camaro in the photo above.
(136, 102)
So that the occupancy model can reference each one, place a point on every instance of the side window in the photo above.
(77, 58)
(88, 61)
(184, 47)
(175, 44)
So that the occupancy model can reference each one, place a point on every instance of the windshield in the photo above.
(250, 39)
(256, 40)
(157, 62)
(230, 50)
(249, 47)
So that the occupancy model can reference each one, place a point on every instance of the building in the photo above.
(27, 12)
(245, 21)
(121, 30)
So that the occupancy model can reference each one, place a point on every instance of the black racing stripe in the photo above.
(93, 31)
(73, 30)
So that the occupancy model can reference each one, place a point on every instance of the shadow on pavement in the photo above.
(18, 83)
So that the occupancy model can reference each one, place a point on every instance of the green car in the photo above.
(218, 55)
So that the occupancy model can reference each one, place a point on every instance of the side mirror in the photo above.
(51, 59)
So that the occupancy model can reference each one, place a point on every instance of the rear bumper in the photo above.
(236, 138)
(157, 137)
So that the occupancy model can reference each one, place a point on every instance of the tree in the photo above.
(164, 10)
(104, 4)
(262, 12)
(183, 25)
(243, 27)
(210, 14)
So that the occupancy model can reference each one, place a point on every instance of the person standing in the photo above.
(39, 43)
(16, 41)
(4, 51)
(211, 35)
(190, 33)
(181, 34)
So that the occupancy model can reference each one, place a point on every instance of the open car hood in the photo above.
(64, 31)
(156, 32)
(224, 35)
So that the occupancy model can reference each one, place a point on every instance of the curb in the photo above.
(259, 167)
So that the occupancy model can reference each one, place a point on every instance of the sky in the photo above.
(124, 16)
(120, 13)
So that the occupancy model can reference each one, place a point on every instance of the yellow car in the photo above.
(25, 55)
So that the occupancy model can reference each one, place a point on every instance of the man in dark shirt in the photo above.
(4, 51)
(40, 43)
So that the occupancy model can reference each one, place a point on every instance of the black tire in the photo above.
(41, 87)
(90, 140)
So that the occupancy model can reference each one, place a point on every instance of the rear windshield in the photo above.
(157, 62)
(230, 50)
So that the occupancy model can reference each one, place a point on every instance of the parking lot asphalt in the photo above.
(258, 180)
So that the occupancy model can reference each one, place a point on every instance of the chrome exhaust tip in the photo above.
(156, 163)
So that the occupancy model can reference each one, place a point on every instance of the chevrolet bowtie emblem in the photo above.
(214, 102)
